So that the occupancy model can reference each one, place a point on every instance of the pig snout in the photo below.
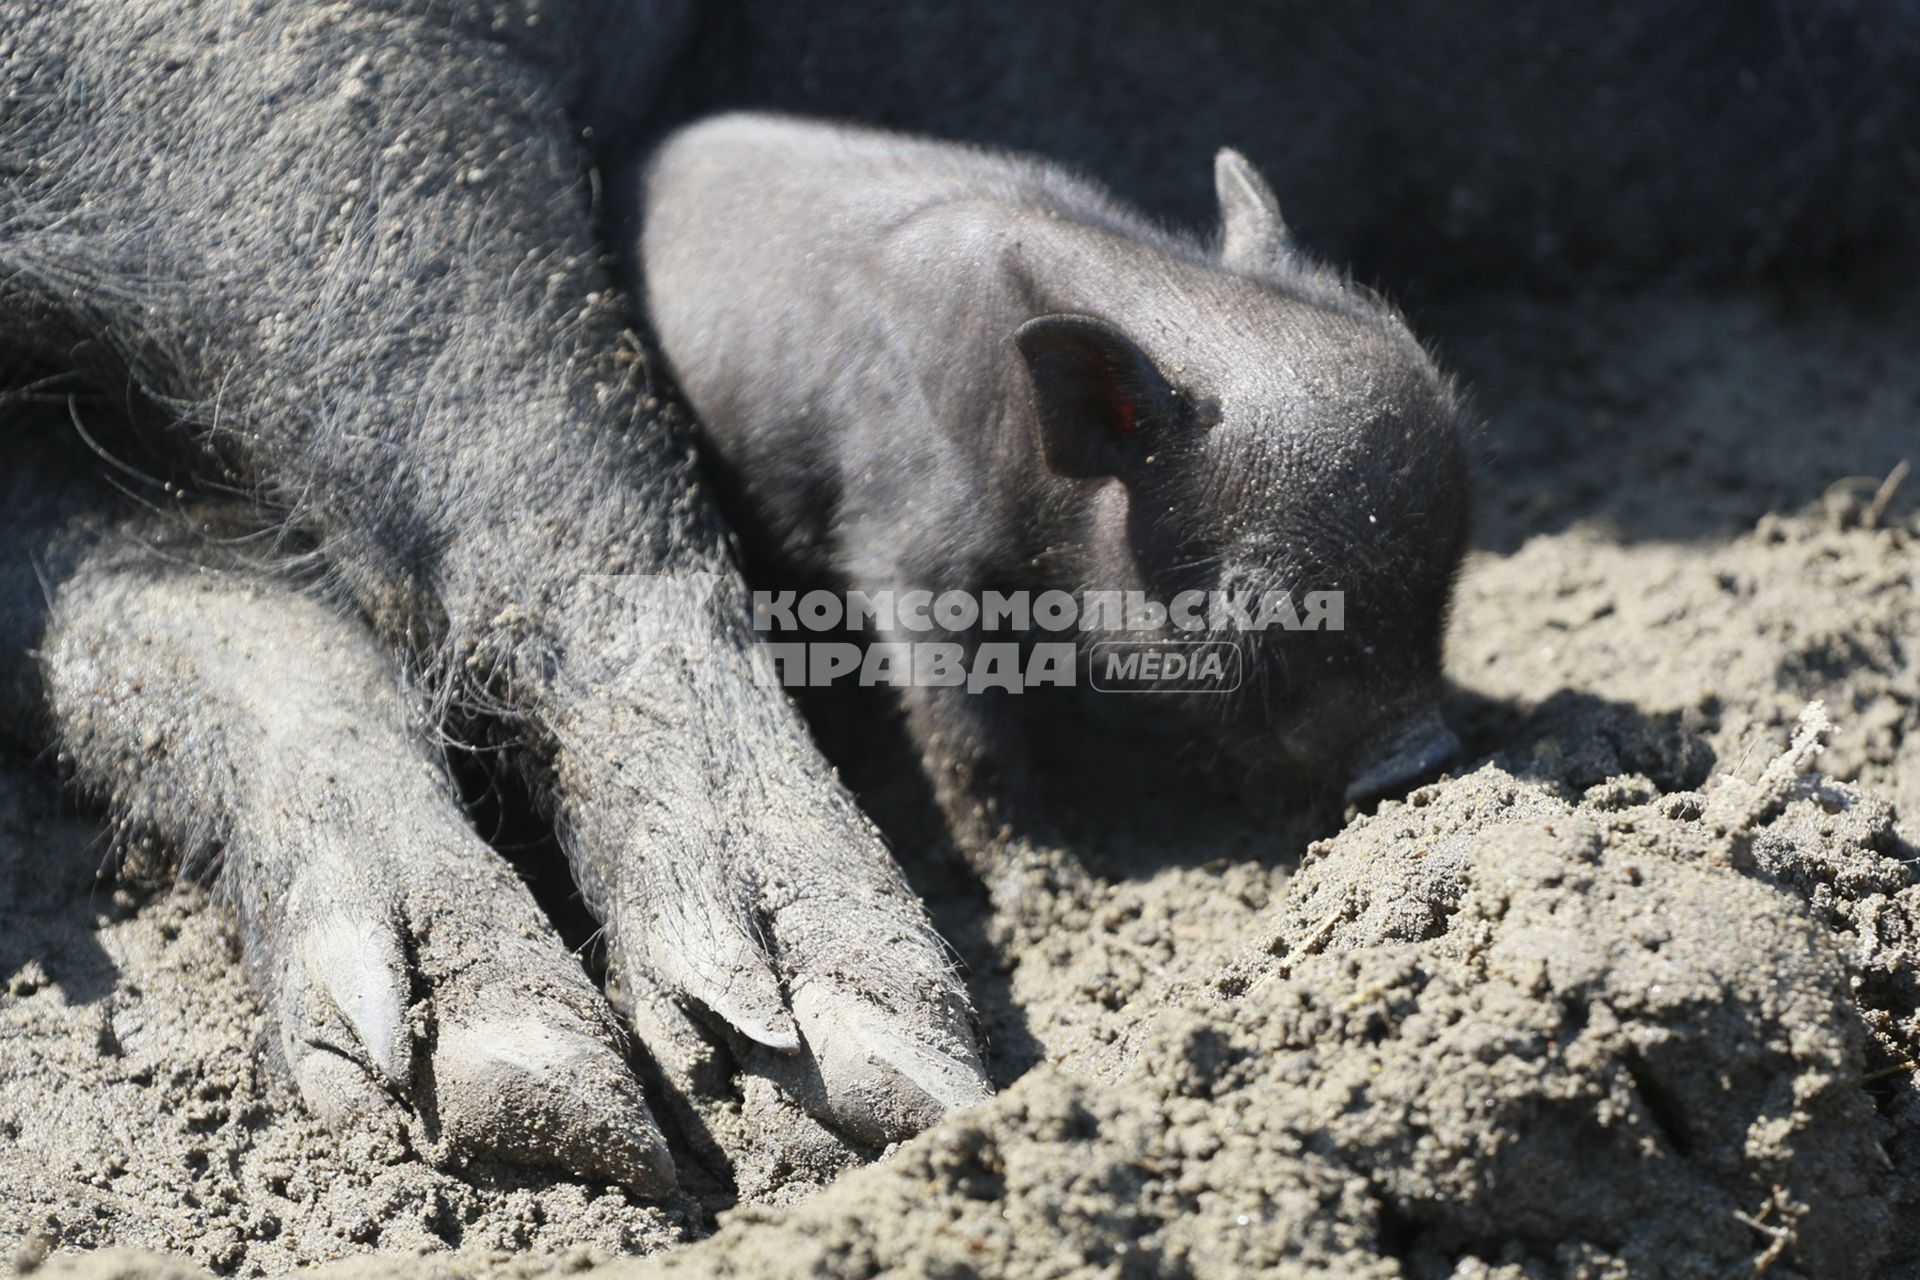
(1409, 752)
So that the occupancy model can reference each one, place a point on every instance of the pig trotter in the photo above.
(738, 879)
(406, 969)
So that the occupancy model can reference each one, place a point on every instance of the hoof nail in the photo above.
(733, 980)
(364, 976)
(521, 1090)
(336, 1089)
(872, 1080)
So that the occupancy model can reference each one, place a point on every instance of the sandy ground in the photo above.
(1636, 994)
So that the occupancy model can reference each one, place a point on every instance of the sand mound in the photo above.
(1492, 1028)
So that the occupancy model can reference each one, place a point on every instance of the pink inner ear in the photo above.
(1126, 418)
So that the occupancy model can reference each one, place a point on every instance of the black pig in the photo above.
(929, 367)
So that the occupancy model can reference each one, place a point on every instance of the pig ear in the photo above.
(1095, 392)
(1251, 232)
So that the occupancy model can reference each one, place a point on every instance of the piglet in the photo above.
(928, 367)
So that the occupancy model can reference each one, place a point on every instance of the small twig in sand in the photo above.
(1738, 806)
(1883, 1072)
(1883, 496)
(1809, 740)
(1310, 946)
(1324, 930)
(1778, 1238)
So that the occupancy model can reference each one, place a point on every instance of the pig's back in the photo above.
(825, 181)
(797, 227)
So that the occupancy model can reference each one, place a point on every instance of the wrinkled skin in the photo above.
(344, 259)
(930, 369)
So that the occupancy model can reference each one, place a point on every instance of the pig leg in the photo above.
(353, 246)
(976, 756)
(972, 740)
(404, 966)
(758, 864)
